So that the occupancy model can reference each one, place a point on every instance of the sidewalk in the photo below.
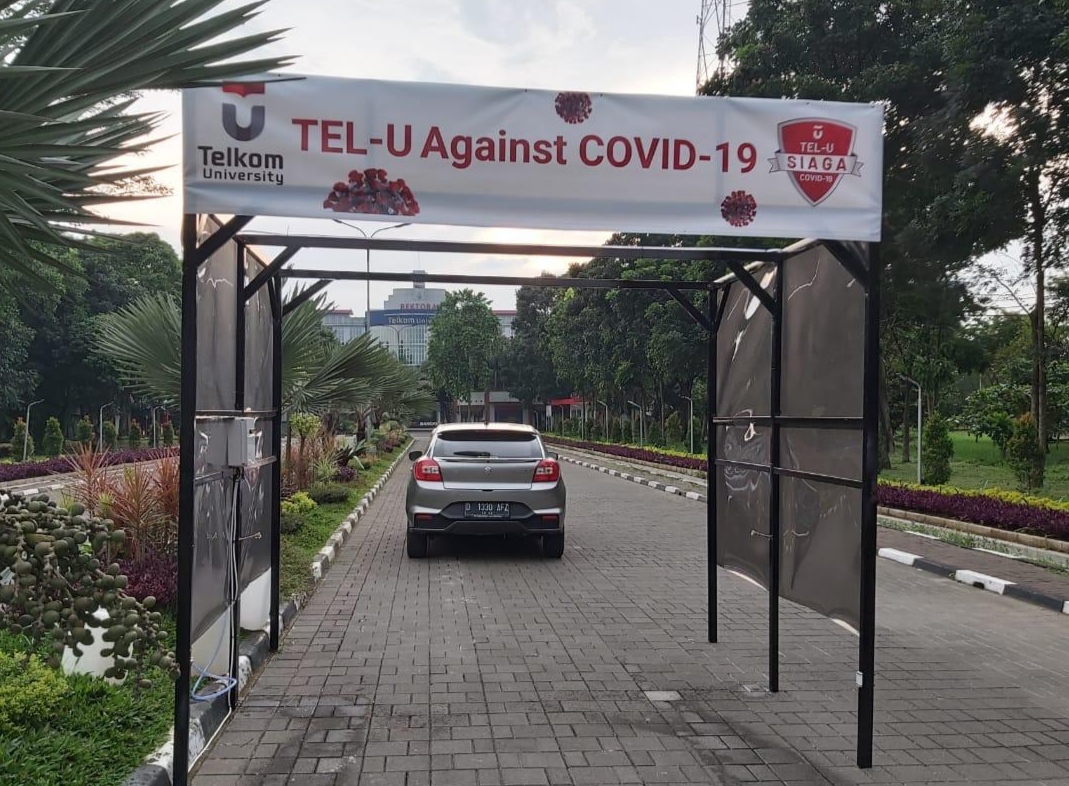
(1012, 577)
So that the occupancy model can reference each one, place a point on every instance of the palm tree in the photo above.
(143, 341)
(70, 74)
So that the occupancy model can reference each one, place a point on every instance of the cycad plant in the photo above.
(70, 74)
(319, 376)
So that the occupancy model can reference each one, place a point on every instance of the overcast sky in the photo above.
(632, 46)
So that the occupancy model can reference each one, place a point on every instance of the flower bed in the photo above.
(654, 455)
(61, 464)
(1006, 510)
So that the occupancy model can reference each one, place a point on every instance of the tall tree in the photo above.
(70, 76)
(1010, 77)
(945, 182)
(528, 355)
(464, 347)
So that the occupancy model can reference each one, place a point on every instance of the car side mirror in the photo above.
(552, 455)
(414, 454)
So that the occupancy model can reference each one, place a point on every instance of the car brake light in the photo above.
(427, 469)
(547, 471)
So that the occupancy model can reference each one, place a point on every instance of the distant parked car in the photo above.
(485, 479)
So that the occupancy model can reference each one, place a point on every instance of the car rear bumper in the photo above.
(534, 511)
(440, 525)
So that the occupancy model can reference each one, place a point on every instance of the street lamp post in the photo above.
(641, 423)
(26, 436)
(100, 433)
(917, 385)
(397, 332)
(690, 423)
(367, 258)
(606, 434)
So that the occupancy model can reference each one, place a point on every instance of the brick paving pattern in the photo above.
(488, 665)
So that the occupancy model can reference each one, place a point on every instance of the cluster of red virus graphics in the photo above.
(573, 107)
(371, 191)
(739, 208)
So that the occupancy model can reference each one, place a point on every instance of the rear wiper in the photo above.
(472, 453)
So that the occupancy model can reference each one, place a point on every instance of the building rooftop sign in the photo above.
(451, 154)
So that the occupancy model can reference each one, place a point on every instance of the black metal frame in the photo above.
(862, 264)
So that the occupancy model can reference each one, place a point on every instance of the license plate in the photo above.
(486, 510)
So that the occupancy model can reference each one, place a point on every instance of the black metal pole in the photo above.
(775, 528)
(710, 458)
(239, 405)
(276, 450)
(866, 673)
(186, 523)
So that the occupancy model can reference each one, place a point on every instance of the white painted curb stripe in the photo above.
(899, 556)
(1065, 608)
(975, 579)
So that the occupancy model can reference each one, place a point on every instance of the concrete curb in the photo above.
(965, 576)
(980, 580)
(206, 718)
(653, 484)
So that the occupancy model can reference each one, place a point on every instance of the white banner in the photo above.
(323, 147)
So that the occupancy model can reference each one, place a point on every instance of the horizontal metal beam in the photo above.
(505, 281)
(516, 249)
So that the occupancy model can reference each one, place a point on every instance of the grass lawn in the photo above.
(300, 548)
(977, 465)
(95, 735)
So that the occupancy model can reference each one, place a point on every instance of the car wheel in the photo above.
(553, 545)
(417, 545)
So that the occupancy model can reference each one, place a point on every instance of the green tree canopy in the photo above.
(465, 344)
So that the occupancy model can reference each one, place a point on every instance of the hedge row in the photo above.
(1007, 510)
(61, 464)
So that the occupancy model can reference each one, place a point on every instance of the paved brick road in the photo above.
(486, 664)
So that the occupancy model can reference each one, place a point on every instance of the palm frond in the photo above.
(69, 72)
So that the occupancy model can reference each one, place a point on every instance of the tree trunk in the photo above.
(1039, 372)
(486, 406)
(886, 426)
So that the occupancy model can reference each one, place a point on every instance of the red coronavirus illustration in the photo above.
(573, 107)
(371, 191)
(739, 208)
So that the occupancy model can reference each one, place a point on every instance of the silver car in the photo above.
(485, 479)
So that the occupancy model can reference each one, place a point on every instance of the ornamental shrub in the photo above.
(299, 503)
(1023, 454)
(29, 692)
(290, 522)
(327, 493)
(53, 440)
(614, 430)
(627, 436)
(20, 439)
(84, 431)
(937, 449)
(111, 434)
(153, 575)
(167, 433)
(344, 474)
(655, 436)
(136, 434)
(673, 430)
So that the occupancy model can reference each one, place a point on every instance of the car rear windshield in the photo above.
(487, 444)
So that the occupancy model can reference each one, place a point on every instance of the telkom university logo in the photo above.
(255, 127)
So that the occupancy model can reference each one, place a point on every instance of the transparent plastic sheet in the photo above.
(744, 352)
(212, 507)
(836, 452)
(216, 328)
(823, 338)
(255, 532)
(258, 344)
(820, 558)
(742, 521)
